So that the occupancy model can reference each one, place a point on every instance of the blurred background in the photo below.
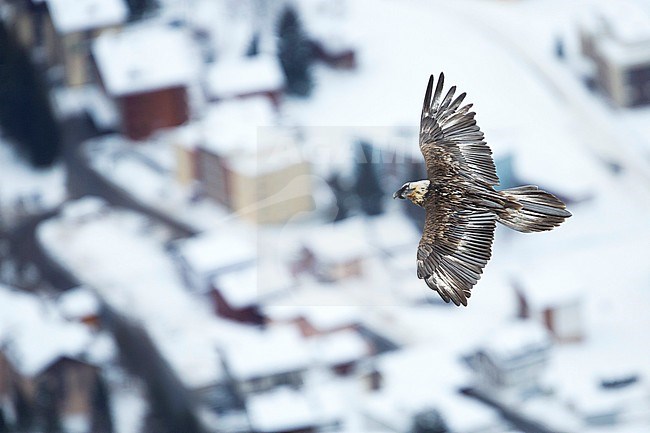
(197, 232)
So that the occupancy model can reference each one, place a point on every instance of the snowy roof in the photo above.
(247, 286)
(281, 410)
(515, 339)
(244, 76)
(624, 55)
(628, 21)
(340, 347)
(78, 15)
(34, 335)
(323, 306)
(326, 23)
(145, 57)
(218, 250)
(78, 303)
(278, 349)
(339, 242)
(232, 126)
(146, 288)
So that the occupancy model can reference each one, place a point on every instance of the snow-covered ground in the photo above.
(25, 190)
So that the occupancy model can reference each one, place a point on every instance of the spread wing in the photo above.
(458, 234)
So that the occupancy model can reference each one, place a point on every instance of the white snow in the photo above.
(70, 16)
(78, 303)
(281, 410)
(230, 78)
(278, 349)
(339, 347)
(145, 57)
(339, 242)
(249, 286)
(146, 286)
(24, 320)
(25, 190)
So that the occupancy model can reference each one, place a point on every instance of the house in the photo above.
(403, 398)
(556, 306)
(245, 77)
(70, 30)
(49, 368)
(264, 360)
(340, 351)
(617, 41)
(336, 251)
(204, 257)
(251, 166)
(316, 309)
(509, 363)
(288, 411)
(238, 295)
(329, 32)
(147, 70)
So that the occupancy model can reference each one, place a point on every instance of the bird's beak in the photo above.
(399, 193)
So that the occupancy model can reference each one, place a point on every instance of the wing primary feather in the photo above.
(427, 97)
(438, 92)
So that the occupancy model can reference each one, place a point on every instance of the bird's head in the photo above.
(414, 191)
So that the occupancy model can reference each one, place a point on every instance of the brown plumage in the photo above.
(462, 206)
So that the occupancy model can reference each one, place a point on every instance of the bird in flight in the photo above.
(462, 207)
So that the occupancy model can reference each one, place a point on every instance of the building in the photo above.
(50, 369)
(289, 411)
(265, 360)
(245, 77)
(329, 32)
(211, 255)
(238, 295)
(337, 251)
(509, 363)
(553, 300)
(70, 30)
(251, 166)
(147, 71)
(616, 40)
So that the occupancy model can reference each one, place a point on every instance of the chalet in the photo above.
(315, 309)
(207, 256)
(557, 307)
(238, 295)
(250, 166)
(336, 252)
(262, 361)
(617, 41)
(147, 70)
(509, 363)
(329, 32)
(57, 378)
(403, 397)
(245, 77)
(288, 411)
(70, 30)
(341, 351)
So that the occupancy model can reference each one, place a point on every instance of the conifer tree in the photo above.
(367, 185)
(26, 114)
(139, 8)
(295, 54)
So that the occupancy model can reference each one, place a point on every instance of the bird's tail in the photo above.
(529, 209)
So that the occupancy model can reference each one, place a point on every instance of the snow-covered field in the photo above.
(24, 190)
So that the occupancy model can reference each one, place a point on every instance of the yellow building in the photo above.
(254, 168)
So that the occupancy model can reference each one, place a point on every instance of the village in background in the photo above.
(197, 230)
